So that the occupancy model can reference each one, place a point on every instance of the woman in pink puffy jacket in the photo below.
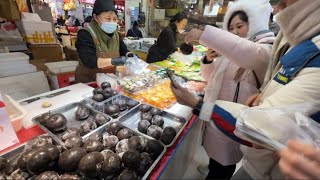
(233, 68)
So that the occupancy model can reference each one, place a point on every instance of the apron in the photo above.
(85, 74)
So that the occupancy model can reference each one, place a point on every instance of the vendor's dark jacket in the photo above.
(165, 45)
(87, 49)
(134, 32)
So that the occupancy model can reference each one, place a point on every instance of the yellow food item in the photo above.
(159, 96)
(46, 104)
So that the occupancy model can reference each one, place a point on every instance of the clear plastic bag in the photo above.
(274, 127)
(135, 66)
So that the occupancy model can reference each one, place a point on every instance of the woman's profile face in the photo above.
(106, 17)
(182, 24)
(239, 27)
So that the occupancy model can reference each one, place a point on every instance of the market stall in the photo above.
(124, 99)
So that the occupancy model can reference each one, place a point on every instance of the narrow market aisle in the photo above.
(200, 159)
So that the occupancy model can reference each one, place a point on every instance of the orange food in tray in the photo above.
(159, 96)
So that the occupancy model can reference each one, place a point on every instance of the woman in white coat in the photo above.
(236, 75)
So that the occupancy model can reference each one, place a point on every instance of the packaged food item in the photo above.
(159, 96)
(132, 84)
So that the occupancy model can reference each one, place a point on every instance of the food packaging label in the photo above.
(7, 135)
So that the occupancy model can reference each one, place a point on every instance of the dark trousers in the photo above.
(218, 171)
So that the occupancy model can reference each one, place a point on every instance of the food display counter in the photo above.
(124, 116)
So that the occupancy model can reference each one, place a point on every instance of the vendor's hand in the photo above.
(130, 54)
(183, 96)
(300, 161)
(193, 35)
(211, 55)
(253, 100)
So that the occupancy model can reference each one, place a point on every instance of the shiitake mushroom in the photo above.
(75, 141)
(154, 131)
(87, 127)
(38, 142)
(100, 119)
(135, 143)
(157, 120)
(154, 148)
(113, 127)
(69, 159)
(155, 111)
(82, 112)
(23, 159)
(124, 133)
(44, 117)
(127, 174)
(146, 116)
(122, 146)
(168, 135)
(132, 103)
(107, 93)
(39, 161)
(110, 141)
(48, 175)
(70, 132)
(106, 153)
(145, 163)
(144, 108)
(112, 110)
(98, 97)
(105, 85)
(97, 91)
(143, 126)
(56, 122)
(92, 146)
(69, 176)
(89, 165)
(131, 159)
(12, 165)
(143, 141)
(95, 137)
(3, 163)
(111, 166)
(18, 175)
(122, 104)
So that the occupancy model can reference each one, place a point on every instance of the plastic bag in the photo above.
(135, 66)
(274, 127)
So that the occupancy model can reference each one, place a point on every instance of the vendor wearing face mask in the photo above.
(99, 45)
(166, 42)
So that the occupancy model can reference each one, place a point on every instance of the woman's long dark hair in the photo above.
(242, 15)
(177, 18)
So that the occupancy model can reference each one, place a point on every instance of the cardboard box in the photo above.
(9, 9)
(49, 52)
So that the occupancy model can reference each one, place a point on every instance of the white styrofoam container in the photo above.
(15, 111)
(17, 70)
(13, 57)
(29, 26)
(62, 66)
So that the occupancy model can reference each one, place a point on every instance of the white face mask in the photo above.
(181, 31)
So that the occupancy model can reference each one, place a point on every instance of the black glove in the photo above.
(120, 61)
(130, 54)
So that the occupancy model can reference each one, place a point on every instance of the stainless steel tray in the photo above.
(94, 104)
(120, 96)
(132, 118)
(101, 130)
(13, 152)
(69, 112)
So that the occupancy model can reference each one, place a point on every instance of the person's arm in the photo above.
(87, 52)
(87, 49)
(300, 161)
(123, 48)
(243, 52)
